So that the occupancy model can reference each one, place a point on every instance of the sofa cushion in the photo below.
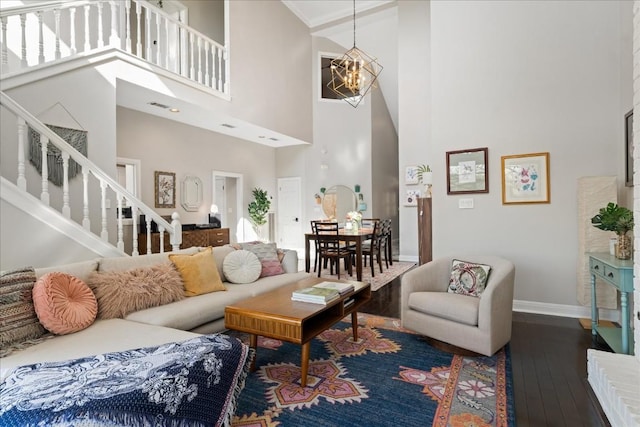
(64, 304)
(121, 292)
(124, 263)
(242, 267)
(19, 324)
(82, 270)
(267, 253)
(219, 255)
(468, 278)
(454, 307)
(199, 272)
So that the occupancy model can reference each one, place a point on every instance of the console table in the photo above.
(617, 273)
(197, 237)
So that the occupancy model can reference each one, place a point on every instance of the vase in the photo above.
(623, 247)
(355, 224)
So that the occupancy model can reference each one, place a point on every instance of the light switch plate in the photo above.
(465, 203)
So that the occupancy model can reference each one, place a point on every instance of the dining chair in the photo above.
(371, 248)
(316, 263)
(385, 242)
(330, 248)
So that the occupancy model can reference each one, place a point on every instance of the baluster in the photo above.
(87, 43)
(56, 14)
(72, 31)
(219, 70)
(66, 211)
(147, 39)
(176, 237)
(182, 54)
(227, 70)
(167, 49)
(104, 234)
(23, 25)
(206, 63)
(134, 217)
(114, 40)
(120, 243)
(22, 180)
(4, 56)
(191, 70)
(161, 231)
(158, 62)
(127, 25)
(86, 222)
(44, 196)
(200, 60)
(100, 29)
(40, 38)
(138, 36)
(148, 220)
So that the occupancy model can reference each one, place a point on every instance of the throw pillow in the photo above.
(122, 292)
(19, 325)
(199, 272)
(64, 304)
(242, 267)
(468, 278)
(268, 255)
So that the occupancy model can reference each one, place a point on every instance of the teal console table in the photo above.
(617, 273)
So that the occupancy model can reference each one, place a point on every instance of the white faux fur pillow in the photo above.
(122, 292)
(242, 267)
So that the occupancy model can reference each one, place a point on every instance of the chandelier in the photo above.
(354, 73)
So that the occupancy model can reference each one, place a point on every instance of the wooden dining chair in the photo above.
(371, 248)
(316, 263)
(330, 248)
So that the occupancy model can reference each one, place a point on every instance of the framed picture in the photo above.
(467, 171)
(525, 179)
(628, 133)
(411, 175)
(165, 189)
(411, 198)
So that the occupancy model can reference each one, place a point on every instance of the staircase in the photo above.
(42, 40)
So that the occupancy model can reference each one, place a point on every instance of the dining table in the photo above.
(356, 237)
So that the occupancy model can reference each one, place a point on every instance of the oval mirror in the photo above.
(191, 194)
(337, 201)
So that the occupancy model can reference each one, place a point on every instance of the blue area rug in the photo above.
(390, 377)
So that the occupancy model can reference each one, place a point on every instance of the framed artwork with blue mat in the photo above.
(389, 377)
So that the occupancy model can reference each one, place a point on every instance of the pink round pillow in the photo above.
(64, 304)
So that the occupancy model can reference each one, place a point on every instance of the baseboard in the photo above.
(408, 258)
(563, 310)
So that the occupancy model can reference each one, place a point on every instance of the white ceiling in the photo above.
(376, 34)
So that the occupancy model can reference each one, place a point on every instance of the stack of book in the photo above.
(322, 293)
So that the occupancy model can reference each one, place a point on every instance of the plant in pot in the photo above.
(425, 176)
(619, 220)
(258, 209)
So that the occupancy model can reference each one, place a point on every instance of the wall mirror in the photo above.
(191, 194)
(338, 200)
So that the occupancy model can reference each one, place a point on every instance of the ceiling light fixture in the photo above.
(355, 73)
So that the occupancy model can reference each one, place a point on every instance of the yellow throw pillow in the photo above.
(199, 272)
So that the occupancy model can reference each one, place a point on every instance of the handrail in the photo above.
(41, 7)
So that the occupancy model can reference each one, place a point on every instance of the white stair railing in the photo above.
(47, 137)
(45, 34)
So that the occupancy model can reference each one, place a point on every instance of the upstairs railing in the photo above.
(44, 34)
(25, 120)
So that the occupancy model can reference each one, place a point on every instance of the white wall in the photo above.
(526, 77)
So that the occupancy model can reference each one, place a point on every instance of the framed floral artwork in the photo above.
(411, 175)
(525, 179)
(467, 171)
(165, 189)
(411, 199)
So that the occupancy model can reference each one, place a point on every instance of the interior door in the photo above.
(290, 214)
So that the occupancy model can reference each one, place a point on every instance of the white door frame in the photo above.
(282, 214)
(240, 225)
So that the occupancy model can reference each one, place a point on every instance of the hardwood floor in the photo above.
(549, 364)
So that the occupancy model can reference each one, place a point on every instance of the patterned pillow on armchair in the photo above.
(468, 278)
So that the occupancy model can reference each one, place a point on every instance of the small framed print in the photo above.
(525, 179)
(467, 171)
(411, 198)
(165, 189)
(628, 132)
(411, 175)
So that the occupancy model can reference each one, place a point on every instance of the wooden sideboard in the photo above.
(197, 237)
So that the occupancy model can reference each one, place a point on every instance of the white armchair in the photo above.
(480, 324)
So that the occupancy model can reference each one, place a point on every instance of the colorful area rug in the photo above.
(390, 377)
(380, 279)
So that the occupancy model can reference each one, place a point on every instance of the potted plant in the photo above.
(425, 176)
(619, 220)
(259, 208)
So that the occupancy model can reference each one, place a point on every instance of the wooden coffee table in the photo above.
(275, 315)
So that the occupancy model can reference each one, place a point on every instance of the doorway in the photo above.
(228, 198)
(290, 214)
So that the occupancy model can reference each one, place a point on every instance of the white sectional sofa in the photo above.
(176, 321)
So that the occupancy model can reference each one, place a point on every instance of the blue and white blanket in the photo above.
(189, 383)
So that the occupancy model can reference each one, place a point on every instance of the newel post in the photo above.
(176, 237)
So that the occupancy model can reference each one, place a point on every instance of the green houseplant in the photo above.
(259, 208)
(619, 220)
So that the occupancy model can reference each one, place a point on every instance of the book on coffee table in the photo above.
(315, 295)
(343, 288)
